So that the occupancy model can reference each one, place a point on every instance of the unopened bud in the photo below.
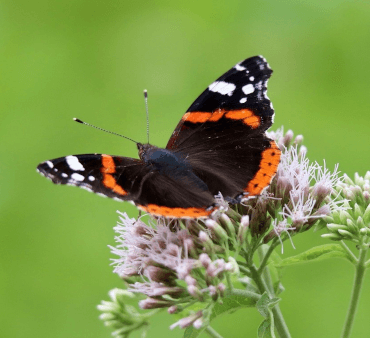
(345, 234)
(226, 221)
(359, 180)
(172, 309)
(360, 222)
(217, 229)
(206, 241)
(189, 280)
(195, 292)
(365, 231)
(367, 214)
(366, 196)
(198, 323)
(221, 288)
(288, 137)
(243, 229)
(302, 151)
(154, 303)
(298, 140)
(332, 236)
(357, 211)
(204, 259)
(212, 290)
(158, 275)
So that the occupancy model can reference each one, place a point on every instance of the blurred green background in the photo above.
(92, 59)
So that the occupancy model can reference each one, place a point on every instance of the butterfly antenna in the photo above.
(107, 131)
(147, 112)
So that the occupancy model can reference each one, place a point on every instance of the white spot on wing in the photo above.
(50, 164)
(251, 78)
(64, 175)
(85, 187)
(243, 100)
(224, 88)
(74, 163)
(248, 89)
(91, 178)
(239, 67)
(77, 177)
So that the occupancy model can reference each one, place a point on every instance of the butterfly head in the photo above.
(144, 150)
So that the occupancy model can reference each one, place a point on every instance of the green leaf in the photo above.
(262, 305)
(192, 332)
(230, 303)
(266, 329)
(265, 304)
(316, 253)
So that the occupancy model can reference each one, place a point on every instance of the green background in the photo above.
(92, 59)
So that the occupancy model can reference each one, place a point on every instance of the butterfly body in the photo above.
(219, 146)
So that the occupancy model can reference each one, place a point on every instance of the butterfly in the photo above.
(219, 146)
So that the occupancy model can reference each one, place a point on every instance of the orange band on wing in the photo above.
(108, 164)
(268, 167)
(175, 212)
(108, 168)
(248, 117)
(196, 117)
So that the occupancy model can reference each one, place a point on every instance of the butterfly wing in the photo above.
(125, 178)
(223, 132)
(177, 196)
(112, 176)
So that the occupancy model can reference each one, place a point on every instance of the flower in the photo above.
(352, 221)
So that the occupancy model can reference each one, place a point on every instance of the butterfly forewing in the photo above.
(112, 176)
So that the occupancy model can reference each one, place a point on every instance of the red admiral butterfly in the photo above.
(219, 146)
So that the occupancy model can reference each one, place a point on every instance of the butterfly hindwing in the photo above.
(175, 196)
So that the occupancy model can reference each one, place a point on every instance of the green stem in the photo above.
(279, 321)
(262, 253)
(268, 253)
(212, 332)
(359, 277)
(245, 294)
(229, 282)
(354, 259)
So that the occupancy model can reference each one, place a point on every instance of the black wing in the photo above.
(125, 178)
(112, 176)
(178, 196)
(238, 94)
(222, 134)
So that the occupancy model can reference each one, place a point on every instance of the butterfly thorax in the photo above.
(170, 163)
(163, 159)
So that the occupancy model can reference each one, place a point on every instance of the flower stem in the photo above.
(357, 284)
(244, 293)
(279, 321)
(349, 251)
(265, 272)
(267, 254)
(212, 332)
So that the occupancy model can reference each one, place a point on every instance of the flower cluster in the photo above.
(120, 316)
(177, 263)
(353, 221)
